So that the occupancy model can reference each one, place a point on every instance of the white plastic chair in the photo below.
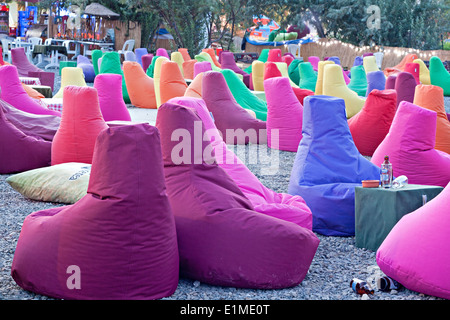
(294, 49)
(35, 41)
(66, 43)
(6, 49)
(127, 46)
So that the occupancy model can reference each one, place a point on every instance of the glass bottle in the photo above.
(361, 287)
(386, 173)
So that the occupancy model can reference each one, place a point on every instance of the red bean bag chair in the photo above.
(171, 83)
(284, 115)
(275, 55)
(13, 92)
(401, 65)
(222, 240)
(81, 122)
(21, 151)
(110, 97)
(410, 146)
(271, 70)
(414, 69)
(432, 98)
(118, 242)
(371, 125)
(234, 122)
(141, 87)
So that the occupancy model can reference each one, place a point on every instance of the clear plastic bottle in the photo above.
(361, 287)
(386, 173)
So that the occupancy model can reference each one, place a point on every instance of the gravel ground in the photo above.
(336, 262)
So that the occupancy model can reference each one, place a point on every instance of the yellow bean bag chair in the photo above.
(70, 76)
(283, 67)
(370, 64)
(178, 58)
(258, 75)
(141, 88)
(319, 83)
(334, 85)
(156, 78)
(424, 72)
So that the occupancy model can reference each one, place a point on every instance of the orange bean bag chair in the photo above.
(409, 58)
(185, 54)
(140, 86)
(171, 82)
(212, 54)
(188, 68)
(432, 98)
(81, 122)
(371, 125)
(32, 92)
(195, 88)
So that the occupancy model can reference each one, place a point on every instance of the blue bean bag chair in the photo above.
(88, 68)
(140, 52)
(375, 80)
(328, 166)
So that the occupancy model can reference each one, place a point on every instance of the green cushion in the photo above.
(358, 80)
(61, 183)
(243, 96)
(308, 78)
(111, 64)
(439, 76)
(263, 56)
(377, 210)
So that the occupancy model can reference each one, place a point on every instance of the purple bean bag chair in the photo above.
(222, 240)
(228, 62)
(20, 60)
(375, 80)
(109, 89)
(161, 52)
(46, 78)
(21, 151)
(358, 61)
(263, 199)
(41, 125)
(405, 85)
(410, 145)
(390, 81)
(201, 66)
(119, 239)
(146, 61)
(328, 167)
(88, 68)
(13, 93)
(139, 53)
(284, 115)
(234, 122)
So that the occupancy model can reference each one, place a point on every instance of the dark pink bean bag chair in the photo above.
(222, 240)
(234, 122)
(228, 62)
(410, 146)
(201, 66)
(119, 239)
(371, 125)
(21, 151)
(405, 85)
(20, 60)
(13, 93)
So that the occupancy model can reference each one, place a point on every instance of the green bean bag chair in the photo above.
(294, 71)
(358, 80)
(203, 56)
(111, 64)
(263, 56)
(439, 76)
(96, 54)
(243, 96)
(151, 68)
(308, 78)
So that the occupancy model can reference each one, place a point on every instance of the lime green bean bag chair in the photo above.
(286, 36)
(111, 64)
(203, 56)
(308, 78)
(263, 56)
(243, 96)
(358, 80)
(439, 76)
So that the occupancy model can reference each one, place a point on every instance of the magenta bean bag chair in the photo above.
(410, 146)
(390, 81)
(146, 61)
(314, 61)
(284, 115)
(120, 236)
(405, 85)
(371, 125)
(234, 122)
(264, 200)
(201, 66)
(81, 122)
(415, 252)
(13, 93)
(162, 52)
(222, 240)
(228, 62)
(21, 151)
(110, 97)
(20, 60)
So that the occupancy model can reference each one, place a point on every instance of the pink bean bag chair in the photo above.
(222, 240)
(13, 92)
(20, 60)
(234, 122)
(405, 85)
(275, 55)
(415, 252)
(284, 115)
(19, 150)
(146, 61)
(228, 62)
(201, 66)
(110, 98)
(162, 52)
(410, 146)
(414, 69)
(314, 61)
(371, 125)
(81, 122)
(119, 239)
(264, 200)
